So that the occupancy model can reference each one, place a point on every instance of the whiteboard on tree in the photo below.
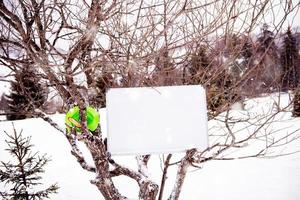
(147, 120)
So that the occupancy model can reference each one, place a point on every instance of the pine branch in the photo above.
(23, 174)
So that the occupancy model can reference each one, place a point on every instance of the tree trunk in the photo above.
(296, 102)
(148, 191)
(181, 173)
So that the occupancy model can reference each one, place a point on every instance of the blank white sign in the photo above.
(156, 119)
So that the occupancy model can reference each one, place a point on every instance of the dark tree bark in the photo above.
(290, 61)
(296, 102)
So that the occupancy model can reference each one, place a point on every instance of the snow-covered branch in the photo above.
(185, 162)
(78, 154)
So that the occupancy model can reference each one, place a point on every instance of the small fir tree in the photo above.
(23, 176)
(27, 94)
(290, 62)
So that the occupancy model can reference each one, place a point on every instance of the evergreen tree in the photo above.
(163, 61)
(266, 76)
(228, 91)
(27, 94)
(266, 40)
(3, 103)
(199, 66)
(290, 61)
(296, 102)
(247, 52)
(23, 175)
(233, 53)
(164, 68)
(222, 93)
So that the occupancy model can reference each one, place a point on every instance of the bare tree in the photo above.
(75, 43)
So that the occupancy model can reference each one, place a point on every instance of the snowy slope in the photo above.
(63, 168)
(248, 179)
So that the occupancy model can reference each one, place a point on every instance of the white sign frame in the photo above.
(146, 120)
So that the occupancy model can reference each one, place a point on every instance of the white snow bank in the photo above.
(250, 179)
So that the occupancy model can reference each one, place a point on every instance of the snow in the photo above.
(267, 179)
(248, 179)
(62, 168)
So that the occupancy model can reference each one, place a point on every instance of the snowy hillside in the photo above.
(247, 179)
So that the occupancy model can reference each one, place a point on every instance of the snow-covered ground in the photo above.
(248, 179)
